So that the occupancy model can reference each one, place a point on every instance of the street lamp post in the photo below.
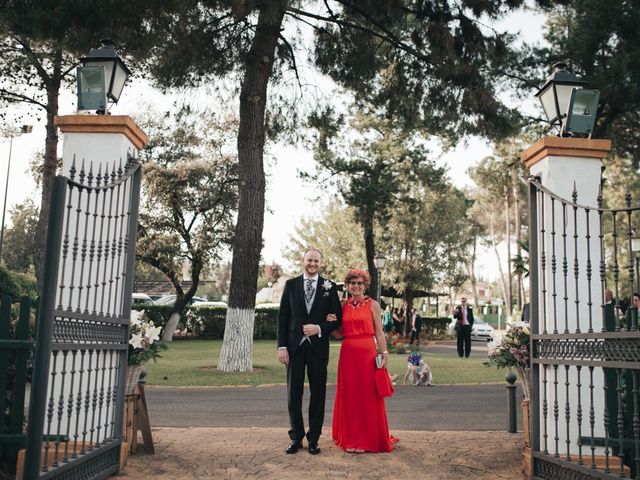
(10, 134)
(379, 261)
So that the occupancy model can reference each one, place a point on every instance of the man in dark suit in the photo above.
(303, 343)
(416, 326)
(464, 316)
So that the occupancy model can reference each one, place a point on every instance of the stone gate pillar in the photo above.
(566, 290)
(565, 164)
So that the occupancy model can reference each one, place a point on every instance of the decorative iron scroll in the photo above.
(621, 352)
(545, 469)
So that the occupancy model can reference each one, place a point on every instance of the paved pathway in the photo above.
(238, 433)
(258, 453)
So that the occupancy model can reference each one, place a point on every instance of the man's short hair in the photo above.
(312, 249)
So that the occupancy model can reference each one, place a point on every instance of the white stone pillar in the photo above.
(565, 164)
(99, 144)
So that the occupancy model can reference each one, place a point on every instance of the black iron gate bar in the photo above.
(15, 350)
(81, 354)
(614, 351)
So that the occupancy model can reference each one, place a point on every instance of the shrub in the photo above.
(209, 322)
(435, 327)
(17, 285)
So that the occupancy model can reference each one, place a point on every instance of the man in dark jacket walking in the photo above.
(464, 322)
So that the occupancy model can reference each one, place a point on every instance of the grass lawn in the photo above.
(193, 363)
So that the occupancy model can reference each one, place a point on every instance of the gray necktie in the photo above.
(308, 291)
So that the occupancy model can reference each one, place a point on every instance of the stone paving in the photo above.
(258, 453)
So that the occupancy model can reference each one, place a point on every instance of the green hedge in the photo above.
(435, 327)
(18, 285)
(209, 322)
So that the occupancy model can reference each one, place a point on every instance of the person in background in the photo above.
(418, 371)
(397, 321)
(387, 320)
(464, 322)
(416, 326)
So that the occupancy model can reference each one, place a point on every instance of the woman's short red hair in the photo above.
(357, 273)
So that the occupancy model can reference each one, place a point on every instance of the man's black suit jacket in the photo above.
(458, 314)
(293, 315)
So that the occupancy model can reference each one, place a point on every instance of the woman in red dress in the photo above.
(359, 415)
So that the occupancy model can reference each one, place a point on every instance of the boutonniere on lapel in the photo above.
(326, 286)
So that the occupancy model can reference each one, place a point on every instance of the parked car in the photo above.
(141, 299)
(171, 299)
(201, 304)
(479, 331)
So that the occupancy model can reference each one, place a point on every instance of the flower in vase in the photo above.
(144, 339)
(513, 349)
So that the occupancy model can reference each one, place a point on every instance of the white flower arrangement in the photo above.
(327, 284)
(144, 339)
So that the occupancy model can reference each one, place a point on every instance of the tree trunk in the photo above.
(171, 325)
(182, 299)
(408, 300)
(516, 210)
(236, 353)
(509, 292)
(50, 165)
(495, 249)
(472, 272)
(370, 252)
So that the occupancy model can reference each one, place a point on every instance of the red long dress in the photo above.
(359, 415)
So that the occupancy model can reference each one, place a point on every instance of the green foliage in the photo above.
(16, 284)
(209, 322)
(424, 240)
(189, 195)
(435, 327)
(40, 43)
(403, 203)
(431, 65)
(334, 232)
(19, 244)
(600, 42)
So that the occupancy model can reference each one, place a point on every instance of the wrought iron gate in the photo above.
(585, 420)
(77, 395)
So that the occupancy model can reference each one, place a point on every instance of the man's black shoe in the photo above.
(314, 449)
(293, 447)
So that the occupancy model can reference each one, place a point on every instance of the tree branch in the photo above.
(33, 59)
(389, 37)
(18, 97)
(293, 58)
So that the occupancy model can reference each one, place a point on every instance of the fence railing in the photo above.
(16, 347)
(585, 338)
